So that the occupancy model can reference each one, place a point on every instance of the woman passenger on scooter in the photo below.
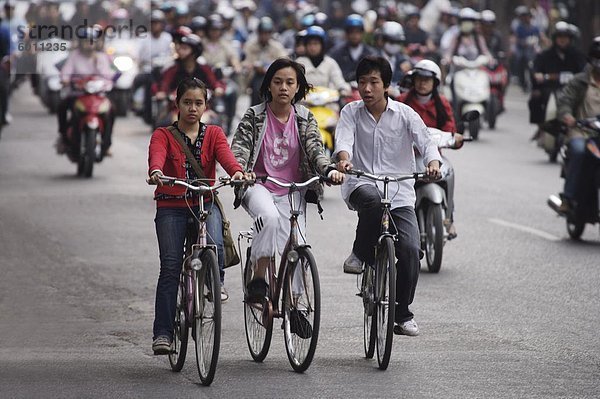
(436, 111)
(174, 205)
(281, 139)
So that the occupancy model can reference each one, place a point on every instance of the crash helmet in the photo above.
(468, 14)
(354, 21)
(157, 16)
(321, 19)
(393, 32)
(316, 31)
(411, 10)
(521, 11)
(594, 53)
(265, 24)
(198, 23)
(215, 21)
(194, 42)
(562, 28)
(429, 69)
(307, 20)
(180, 32)
(488, 17)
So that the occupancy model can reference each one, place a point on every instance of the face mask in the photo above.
(467, 26)
(392, 48)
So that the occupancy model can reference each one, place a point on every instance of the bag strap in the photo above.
(188, 154)
(197, 169)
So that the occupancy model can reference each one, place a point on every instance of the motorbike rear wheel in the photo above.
(474, 127)
(575, 228)
(434, 237)
(493, 107)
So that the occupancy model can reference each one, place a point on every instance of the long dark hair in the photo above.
(441, 115)
(303, 86)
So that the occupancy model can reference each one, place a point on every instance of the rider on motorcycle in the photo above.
(552, 69)
(348, 53)
(156, 47)
(492, 36)
(188, 49)
(579, 99)
(85, 60)
(525, 43)
(436, 111)
(321, 69)
(260, 51)
(467, 42)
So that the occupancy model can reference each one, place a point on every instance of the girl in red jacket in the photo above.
(436, 111)
(166, 157)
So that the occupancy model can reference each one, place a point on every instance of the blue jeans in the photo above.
(367, 201)
(172, 225)
(576, 157)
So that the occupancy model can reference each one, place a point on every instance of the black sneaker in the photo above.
(299, 325)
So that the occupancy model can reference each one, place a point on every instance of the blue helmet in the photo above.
(316, 31)
(354, 21)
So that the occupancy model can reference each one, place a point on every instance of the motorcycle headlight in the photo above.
(79, 106)
(104, 107)
(123, 63)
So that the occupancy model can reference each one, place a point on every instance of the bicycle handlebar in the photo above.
(384, 178)
(201, 189)
(292, 184)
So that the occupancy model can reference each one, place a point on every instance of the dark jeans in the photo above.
(576, 156)
(171, 227)
(367, 201)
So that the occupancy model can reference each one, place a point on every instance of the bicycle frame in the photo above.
(289, 255)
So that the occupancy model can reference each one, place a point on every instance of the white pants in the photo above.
(271, 214)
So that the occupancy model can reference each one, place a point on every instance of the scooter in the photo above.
(323, 102)
(498, 76)
(121, 50)
(432, 201)
(90, 124)
(470, 89)
(50, 86)
(585, 207)
(142, 97)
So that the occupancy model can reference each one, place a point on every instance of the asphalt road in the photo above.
(514, 311)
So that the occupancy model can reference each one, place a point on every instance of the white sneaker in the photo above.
(408, 327)
(353, 265)
(224, 294)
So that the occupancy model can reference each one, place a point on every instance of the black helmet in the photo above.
(594, 52)
(194, 42)
(198, 23)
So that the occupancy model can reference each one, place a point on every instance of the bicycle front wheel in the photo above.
(180, 328)
(385, 299)
(370, 323)
(207, 317)
(258, 319)
(301, 310)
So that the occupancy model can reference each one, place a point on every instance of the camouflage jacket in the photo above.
(250, 133)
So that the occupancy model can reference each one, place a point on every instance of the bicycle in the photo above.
(198, 294)
(298, 279)
(378, 285)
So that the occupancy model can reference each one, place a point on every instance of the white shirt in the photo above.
(327, 74)
(152, 47)
(384, 147)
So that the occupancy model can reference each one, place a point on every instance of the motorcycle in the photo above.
(225, 106)
(323, 102)
(121, 50)
(432, 201)
(89, 126)
(585, 207)
(470, 89)
(552, 141)
(142, 97)
(48, 65)
(498, 76)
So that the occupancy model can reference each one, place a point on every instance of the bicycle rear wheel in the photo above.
(301, 310)
(258, 320)
(207, 317)
(180, 328)
(370, 323)
(385, 299)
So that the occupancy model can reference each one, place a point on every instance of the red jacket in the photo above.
(165, 154)
(428, 114)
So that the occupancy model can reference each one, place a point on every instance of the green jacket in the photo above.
(250, 133)
(572, 95)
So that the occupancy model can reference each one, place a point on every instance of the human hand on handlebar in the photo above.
(335, 176)
(433, 170)
(155, 178)
(343, 165)
(569, 120)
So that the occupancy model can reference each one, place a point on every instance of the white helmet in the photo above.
(392, 31)
(428, 68)
(468, 14)
(488, 16)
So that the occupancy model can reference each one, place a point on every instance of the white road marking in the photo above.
(526, 229)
